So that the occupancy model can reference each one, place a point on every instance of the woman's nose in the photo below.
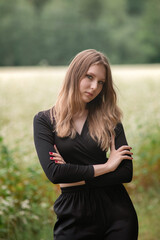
(94, 84)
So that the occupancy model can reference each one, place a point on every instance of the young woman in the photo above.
(72, 139)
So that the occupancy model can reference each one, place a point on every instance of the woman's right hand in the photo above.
(117, 156)
(57, 156)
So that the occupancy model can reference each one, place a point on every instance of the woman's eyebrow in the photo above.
(91, 73)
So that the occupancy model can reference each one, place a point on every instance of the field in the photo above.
(26, 196)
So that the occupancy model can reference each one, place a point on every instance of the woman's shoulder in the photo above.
(44, 116)
(119, 128)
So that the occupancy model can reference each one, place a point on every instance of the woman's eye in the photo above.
(101, 82)
(89, 76)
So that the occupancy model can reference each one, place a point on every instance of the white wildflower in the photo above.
(25, 204)
(1, 213)
(5, 203)
(43, 205)
(22, 213)
(35, 217)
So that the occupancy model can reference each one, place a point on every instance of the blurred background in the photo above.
(38, 39)
(51, 32)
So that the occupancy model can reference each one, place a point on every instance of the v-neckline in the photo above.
(82, 129)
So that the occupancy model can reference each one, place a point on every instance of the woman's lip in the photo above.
(90, 94)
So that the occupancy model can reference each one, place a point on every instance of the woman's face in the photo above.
(92, 84)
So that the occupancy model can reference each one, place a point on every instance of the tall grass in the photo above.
(24, 199)
(27, 196)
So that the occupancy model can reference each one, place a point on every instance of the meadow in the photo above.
(26, 196)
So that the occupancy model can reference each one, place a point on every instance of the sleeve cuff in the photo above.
(90, 172)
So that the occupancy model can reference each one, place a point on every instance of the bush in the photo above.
(147, 172)
(146, 160)
(26, 200)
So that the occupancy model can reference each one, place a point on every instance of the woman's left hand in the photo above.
(56, 156)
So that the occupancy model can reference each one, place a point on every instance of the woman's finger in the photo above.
(56, 158)
(59, 159)
(54, 154)
(55, 147)
(112, 143)
(127, 157)
(59, 162)
(124, 147)
(126, 152)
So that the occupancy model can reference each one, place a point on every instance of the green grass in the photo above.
(147, 204)
(26, 91)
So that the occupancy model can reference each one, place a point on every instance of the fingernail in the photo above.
(56, 161)
(51, 158)
(51, 153)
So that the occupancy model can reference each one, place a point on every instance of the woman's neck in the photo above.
(83, 113)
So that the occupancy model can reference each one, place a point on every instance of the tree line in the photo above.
(51, 32)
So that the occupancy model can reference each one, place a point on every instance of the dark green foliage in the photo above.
(147, 172)
(25, 199)
(38, 4)
(135, 7)
(45, 32)
(91, 9)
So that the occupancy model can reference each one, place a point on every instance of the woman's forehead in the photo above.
(97, 70)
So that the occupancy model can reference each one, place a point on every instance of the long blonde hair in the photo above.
(103, 112)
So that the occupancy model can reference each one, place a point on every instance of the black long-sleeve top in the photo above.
(80, 154)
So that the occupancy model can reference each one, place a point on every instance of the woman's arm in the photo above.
(62, 173)
(44, 142)
(118, 168)
(123, 173)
